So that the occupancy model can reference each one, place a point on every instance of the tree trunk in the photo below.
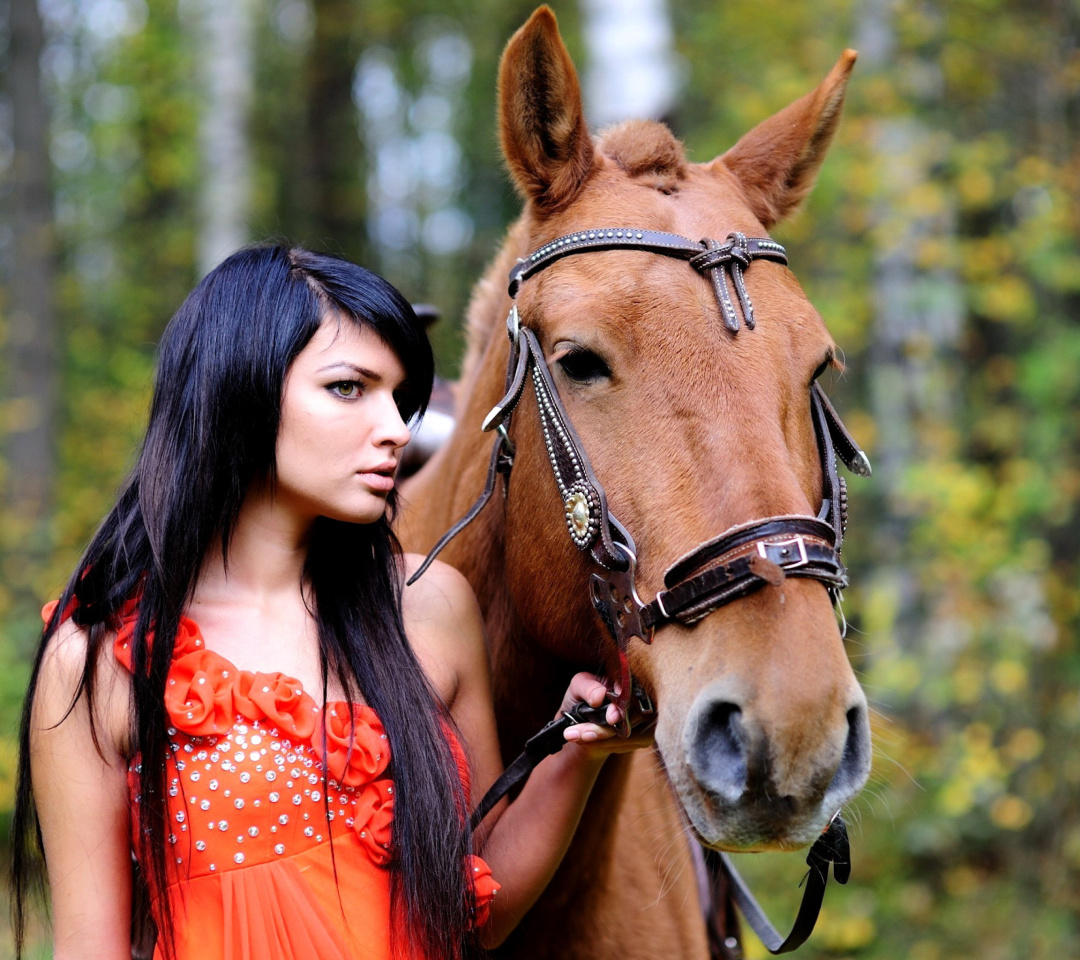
(31, 377)
(226, 41)
(332, 185)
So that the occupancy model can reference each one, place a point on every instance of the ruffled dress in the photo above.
(253, 819)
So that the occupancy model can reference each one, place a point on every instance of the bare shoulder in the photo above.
(444, 626)
(59, 695)
(63, 663)
(441, 597)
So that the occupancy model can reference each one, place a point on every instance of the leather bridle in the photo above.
(733, 564)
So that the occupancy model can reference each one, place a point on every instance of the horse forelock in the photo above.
(645, 149)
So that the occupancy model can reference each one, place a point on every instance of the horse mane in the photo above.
(645, 150)
(482, 317)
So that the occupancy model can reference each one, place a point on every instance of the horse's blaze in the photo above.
(762, 727)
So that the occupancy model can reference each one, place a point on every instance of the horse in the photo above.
(692, 429)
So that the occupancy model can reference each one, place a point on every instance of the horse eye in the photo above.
(823, 366)
(583, 366)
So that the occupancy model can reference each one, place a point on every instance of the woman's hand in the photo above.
(596, 739)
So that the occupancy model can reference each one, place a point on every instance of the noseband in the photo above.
(729, 566)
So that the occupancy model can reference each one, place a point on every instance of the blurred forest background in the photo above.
(142, 140)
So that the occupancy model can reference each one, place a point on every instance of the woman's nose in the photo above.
(394, 430)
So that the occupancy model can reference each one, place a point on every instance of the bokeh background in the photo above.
(142, 140)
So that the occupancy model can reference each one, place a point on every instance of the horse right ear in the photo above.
(541, 119)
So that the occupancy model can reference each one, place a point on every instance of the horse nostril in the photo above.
(718, 753)
(854, 765)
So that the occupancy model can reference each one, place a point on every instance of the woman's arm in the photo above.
(523, 842)
(81, 796)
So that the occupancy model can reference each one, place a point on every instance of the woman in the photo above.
(246, 575)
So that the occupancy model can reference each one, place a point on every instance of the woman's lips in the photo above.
(378, 480)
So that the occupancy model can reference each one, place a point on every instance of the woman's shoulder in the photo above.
(61, 690)
(442, 618)
(442, 594)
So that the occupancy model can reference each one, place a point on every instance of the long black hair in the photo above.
(212, 432)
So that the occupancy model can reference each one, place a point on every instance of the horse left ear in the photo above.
(541, 118)
(778, 161)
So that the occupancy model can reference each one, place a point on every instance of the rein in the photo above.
(718, 571)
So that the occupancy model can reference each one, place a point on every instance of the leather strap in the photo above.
(714, 260)
(831, 847)
(502, 459)
(846, 448)
(570, 464)
(548, 741)
(744, 569)
(628, 238)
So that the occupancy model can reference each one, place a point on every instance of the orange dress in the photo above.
(253, 818)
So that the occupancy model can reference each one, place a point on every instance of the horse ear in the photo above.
(778, 161)
(541, 119)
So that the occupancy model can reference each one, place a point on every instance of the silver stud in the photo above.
(279, 848)
(309, 831)
(238, 858)
(205, 805)
(200, 845)
(253, 831)
(275, 796)
(245, 777)
(239, 803)
(283, 819)
(213, 784)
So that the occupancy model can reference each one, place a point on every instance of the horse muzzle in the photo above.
(750, 778)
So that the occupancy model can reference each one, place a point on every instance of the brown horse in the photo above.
(762, 729)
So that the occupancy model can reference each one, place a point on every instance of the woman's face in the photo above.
(340, 432)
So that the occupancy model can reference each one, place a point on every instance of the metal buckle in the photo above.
(784, 546)
(513, 325)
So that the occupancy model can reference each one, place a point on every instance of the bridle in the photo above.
(731, 565)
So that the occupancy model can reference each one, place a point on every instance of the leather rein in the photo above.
(731, 565)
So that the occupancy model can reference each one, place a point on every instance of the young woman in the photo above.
(239, 720)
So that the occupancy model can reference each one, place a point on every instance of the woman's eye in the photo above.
(583, 366)
(346, 389)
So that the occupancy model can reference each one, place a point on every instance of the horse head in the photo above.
(692, 429)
